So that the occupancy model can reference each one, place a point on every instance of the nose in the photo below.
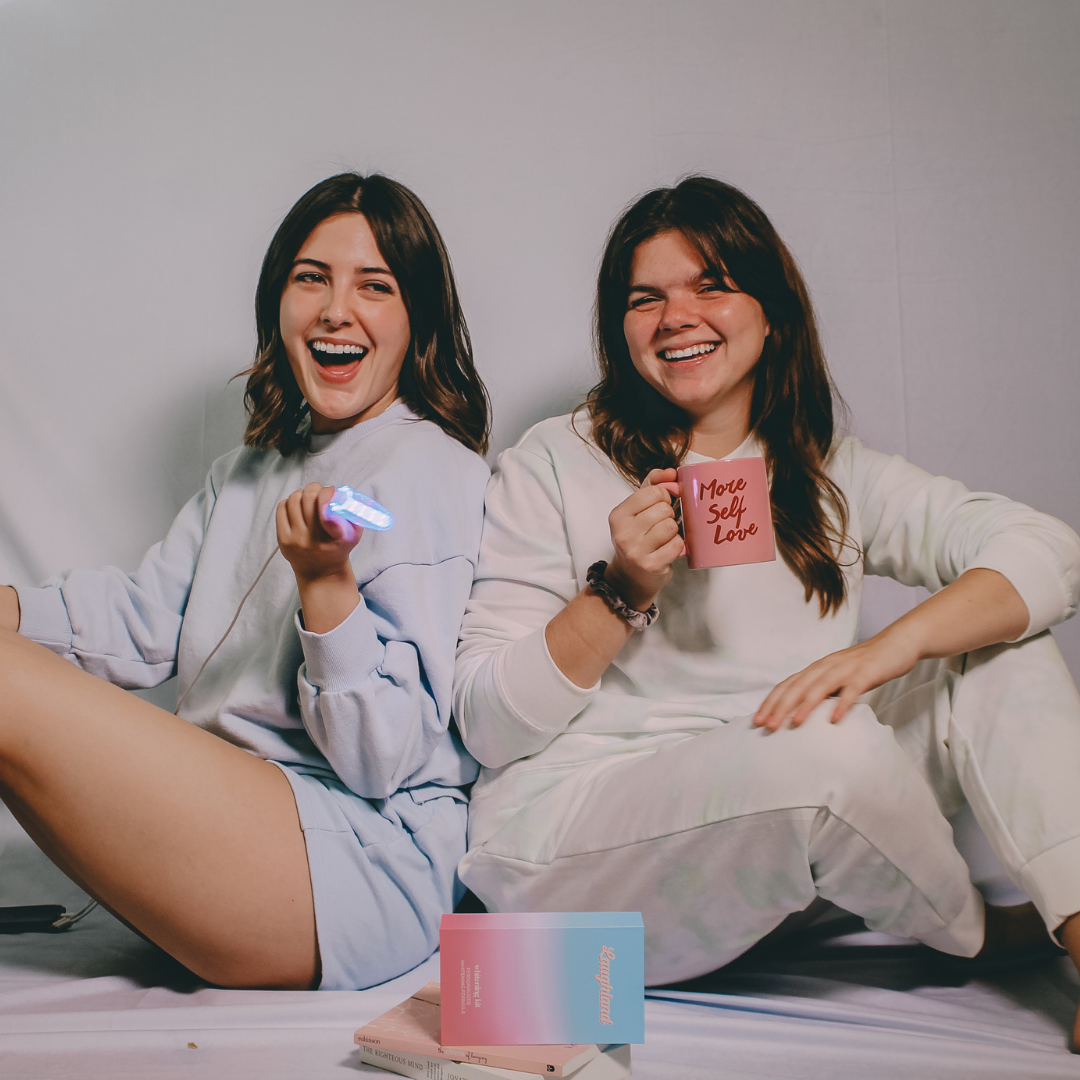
(680, 313)
(336, 313)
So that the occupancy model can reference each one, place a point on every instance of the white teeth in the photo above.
(684, 354)
(327, 347)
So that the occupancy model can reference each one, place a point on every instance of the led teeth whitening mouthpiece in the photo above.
(360, 510)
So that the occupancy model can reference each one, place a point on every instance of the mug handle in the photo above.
(675, 490)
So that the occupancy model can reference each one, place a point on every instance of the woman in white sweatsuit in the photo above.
(697, 771)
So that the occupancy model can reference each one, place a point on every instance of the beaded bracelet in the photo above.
(638, 620)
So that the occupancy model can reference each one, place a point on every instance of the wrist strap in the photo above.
(637, 619)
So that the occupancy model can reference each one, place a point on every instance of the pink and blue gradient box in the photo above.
(542, 977)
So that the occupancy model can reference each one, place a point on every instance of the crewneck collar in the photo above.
(397, 411)
(749, 447)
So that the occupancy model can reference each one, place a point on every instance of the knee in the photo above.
(854, 760)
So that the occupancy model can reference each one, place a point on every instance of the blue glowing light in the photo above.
(360, 510)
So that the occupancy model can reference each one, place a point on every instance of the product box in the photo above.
(543, 977)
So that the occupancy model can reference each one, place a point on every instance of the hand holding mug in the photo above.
(645, 535)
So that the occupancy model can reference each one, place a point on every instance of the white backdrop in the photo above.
(920, 157)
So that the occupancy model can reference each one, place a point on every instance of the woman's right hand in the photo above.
(646, 539)
(586, 635)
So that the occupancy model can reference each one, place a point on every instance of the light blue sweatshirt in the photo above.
(370, 700)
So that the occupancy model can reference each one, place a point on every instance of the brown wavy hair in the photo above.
(438, 379)
(791, 410)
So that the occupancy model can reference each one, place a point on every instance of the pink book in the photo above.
(414, 1025)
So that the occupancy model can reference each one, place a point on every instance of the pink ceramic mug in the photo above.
(726, 514)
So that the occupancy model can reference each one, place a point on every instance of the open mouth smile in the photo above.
(331, 354)
(691, 352)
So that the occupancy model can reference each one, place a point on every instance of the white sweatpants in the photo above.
(718, 838)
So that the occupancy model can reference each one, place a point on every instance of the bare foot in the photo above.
(1068, 933)
(1012, 929)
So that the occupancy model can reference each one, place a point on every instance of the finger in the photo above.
(654, 495)
(309, 506)
(812, 691)
(844, 701)
(772, 707)
(635, 503)
(338, 529)
(651, 515)
(672, 550)
(657, 476)
(294, 511)
(660, 536)
(281, 520)
(659, 557)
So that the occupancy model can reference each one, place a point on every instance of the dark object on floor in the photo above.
(470, 904)
(30, 918)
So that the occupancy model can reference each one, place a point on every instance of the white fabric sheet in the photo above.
(98, 1001)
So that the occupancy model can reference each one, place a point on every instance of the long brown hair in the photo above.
(791, 410)
(438, 379)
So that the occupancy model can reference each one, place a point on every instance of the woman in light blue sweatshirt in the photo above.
(299, 823)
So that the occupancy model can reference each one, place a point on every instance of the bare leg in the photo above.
(186, 837)
(1069, 935)
(1013, 929)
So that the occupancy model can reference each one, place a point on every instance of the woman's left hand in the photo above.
(845, 675)
(980, 608)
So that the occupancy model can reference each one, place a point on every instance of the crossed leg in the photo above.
(191, 840)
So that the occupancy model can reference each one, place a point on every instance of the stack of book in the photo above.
(407, 1040)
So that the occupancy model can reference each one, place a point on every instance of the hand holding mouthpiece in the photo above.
(359, 509)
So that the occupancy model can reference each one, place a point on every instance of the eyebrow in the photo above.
(359, 269)
(704, 275)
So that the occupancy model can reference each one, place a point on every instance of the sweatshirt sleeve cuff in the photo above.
(535, 688)
(1033, 576)
(43, 617)
(343, 657)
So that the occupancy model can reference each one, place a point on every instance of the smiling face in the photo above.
(344, 324)
(692, 341)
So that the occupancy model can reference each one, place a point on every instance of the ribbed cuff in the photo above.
(43, 617)
(343, 657)
(534, 687)
(1033, 576)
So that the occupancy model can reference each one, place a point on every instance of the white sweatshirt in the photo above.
(369, 701)
(725, 636)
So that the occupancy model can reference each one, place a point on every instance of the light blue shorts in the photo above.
(382, 873)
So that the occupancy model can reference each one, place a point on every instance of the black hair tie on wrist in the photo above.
(638, 620)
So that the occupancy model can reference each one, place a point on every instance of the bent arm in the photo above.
(998, 570)
(586, 636)
(375, 691)
(123, 628)
(534, 645)
(511, 698)
(929, 530)
(980, 608)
